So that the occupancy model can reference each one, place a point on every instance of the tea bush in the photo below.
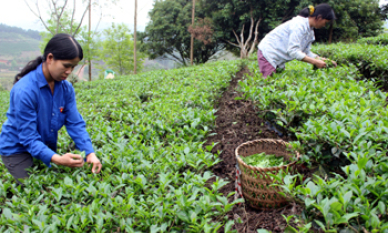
(370, 60)
(340, 123)
(4, 98)
(378, 40)
(149, 131)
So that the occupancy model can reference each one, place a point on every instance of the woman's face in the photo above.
(320, 23)
(60, 69)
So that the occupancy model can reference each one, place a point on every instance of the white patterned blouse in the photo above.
(288, 41)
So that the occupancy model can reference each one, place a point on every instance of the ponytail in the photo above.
(305, 12)
(31, 65)
(62, 46)
(323, 10)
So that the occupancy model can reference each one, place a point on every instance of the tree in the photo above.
(192, 34)
(117, 50)
(167, 34)
(87, 41)
(356, 18)
(59, 10)
(135, 39)
(384, 12)
(202, 30)
(231, 18)
(67, 26)
(63, 19)
(89, 44)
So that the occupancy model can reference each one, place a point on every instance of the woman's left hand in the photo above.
(92, 158)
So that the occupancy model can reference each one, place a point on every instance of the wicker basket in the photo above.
(255, 181)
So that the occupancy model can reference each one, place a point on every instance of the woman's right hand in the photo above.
(320, 64)
(68, 160)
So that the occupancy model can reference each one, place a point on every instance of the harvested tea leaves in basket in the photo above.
(264, 160)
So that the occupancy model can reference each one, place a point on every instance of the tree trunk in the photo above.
(192, 35)
(90, 26)
(135, 40)
(246, 47)
(255, 42)
(331, 32)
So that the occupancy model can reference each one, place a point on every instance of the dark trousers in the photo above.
(17, 165)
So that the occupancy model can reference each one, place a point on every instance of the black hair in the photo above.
(324, 10)
(62, 46)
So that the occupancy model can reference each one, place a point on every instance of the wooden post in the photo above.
(135, 40)
(192, 35)
(90, 26)
(331, 32)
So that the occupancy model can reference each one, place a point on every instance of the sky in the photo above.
(16, 13)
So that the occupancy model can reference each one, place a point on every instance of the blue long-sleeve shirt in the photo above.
(35, 116)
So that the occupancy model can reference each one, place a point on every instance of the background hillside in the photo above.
(17, 47)
(15, 42)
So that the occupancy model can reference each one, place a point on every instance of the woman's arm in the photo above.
(316, 62)
(297, 33)
(309, 53)
(75, 124)
(316, 57)
(76, 128)
(26, 118)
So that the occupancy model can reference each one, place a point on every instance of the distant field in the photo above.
(15, 48)
(12, 36)
(7, 75)
(30, 54)
(25, 56)
(6, 79)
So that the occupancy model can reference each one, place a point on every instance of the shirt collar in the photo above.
(41, 79)
(308, 24)
(306, 21)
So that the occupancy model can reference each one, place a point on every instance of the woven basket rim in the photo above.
(266, 169)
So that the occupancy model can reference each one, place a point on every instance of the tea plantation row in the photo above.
(378, 40)
(370, 60)
(340, 121)
(149, 131)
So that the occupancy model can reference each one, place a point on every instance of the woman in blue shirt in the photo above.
(41, 102)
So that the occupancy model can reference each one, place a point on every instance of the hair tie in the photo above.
(312, 9)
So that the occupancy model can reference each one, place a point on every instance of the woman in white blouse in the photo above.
(292, 40)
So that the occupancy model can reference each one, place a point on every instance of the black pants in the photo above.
(17, 165)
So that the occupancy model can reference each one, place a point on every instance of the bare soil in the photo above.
(238, 122)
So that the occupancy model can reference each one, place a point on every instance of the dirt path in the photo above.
(238, 122)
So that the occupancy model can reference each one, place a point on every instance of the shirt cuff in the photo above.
(300, 55)
(46, 156)
(311, 54)
(88, 148)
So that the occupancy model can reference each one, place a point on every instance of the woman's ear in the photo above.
(50, 58)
